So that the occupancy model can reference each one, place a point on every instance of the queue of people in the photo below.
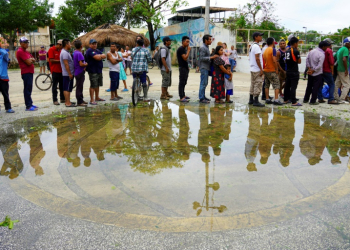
(268, 67)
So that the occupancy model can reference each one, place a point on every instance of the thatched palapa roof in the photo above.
(108, 33)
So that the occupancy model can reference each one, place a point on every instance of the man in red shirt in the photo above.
(26, 63)
(328, 69)
(56, 71)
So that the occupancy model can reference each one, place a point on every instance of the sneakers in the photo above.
(32, 109)
(56, 103)
(321, 101)
(10, 111)
(333, 102)
(277, 103)
(268, 101)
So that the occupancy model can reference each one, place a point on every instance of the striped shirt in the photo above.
(140, 60)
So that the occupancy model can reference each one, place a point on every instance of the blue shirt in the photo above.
(4, 59)
(94, 66)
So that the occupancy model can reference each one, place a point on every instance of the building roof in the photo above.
(201, 9)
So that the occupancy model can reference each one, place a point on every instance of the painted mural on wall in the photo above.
(194, 29)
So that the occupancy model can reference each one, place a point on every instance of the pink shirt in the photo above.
(23, 55)
(42, 58)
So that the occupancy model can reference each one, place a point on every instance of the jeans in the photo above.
(4, 89)
(204, 83)
(290, 87)
(57, 78)
(80, 85)
(313, 86)
(233, 63)
(182, 81)
(328, 78)
(27, 90)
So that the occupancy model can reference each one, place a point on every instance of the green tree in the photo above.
(146, 11)
(73, 18)
(24, 16)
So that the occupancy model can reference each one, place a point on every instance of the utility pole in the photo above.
(206, 24)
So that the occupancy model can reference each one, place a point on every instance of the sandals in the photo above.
(92, 103)
(229, 101)
(71, 106)
(219, 102)
(115, 99)
(100, 100)
(184, 100)
(297, 105)
(204, 101)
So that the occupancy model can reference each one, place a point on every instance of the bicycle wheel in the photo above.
(43, 82)
(151, 65)
(135, 91)
(148, 81)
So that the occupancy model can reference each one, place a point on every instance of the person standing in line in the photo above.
(314, 63)
(256, 70)
(113, 60)
(165, 70)
(233, 58)
(183, 53)
(292, 75)
(122, 74)
(26, 63)
(79, 72)
(306, 69)
(56, 71)
(343, 72)
(140, 59)
(328, 69)
(225, 54)
(4, 80)
(42, 59)
(94, 59)
(281, 59)
(128, 59)
(67, 65)
(204, 67)
(271, 71)
(47, 59)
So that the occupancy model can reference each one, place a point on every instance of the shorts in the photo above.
(166, 79)
(229, 91)
(271, 78)
(114, 80)
(282, 76)
(42, 63)
(128, 64)
(96, 80)
(67, 83)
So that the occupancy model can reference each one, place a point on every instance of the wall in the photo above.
(243, 64)
(194, 29)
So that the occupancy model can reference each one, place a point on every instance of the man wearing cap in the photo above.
(26, 63)
(165, 70)
(343, 72)
(4, 80)
(94, 59)
(328, 69)
(204, 67)
(42, 59)
(56, 71)
(256, 70)
(314, 63)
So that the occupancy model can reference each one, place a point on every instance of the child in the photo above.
(228, 84)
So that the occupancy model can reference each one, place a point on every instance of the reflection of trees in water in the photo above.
(151, 144)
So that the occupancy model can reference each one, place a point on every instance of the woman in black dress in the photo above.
(217, 90)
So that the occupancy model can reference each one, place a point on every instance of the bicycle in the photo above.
(151, 64)
(44, 82)
(137, 88)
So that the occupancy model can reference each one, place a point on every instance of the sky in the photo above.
(322, 16)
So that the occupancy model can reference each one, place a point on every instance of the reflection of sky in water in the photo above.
(178, 169)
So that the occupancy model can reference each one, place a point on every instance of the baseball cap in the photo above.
(346, 40)
(92, 41)
(329, 41)
(166, 38)
(42, 46)
(59, 41)
(23, 40)
(255, 34)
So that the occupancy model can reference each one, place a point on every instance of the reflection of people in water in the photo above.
(284, 135)
(251, 146)
(313, 140)
(184, 129)
(37, 152)
(217, 117)
(165, 132)
(266, 137)
(203, 132)
(13, 164)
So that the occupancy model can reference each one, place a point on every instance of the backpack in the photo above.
(158, 58)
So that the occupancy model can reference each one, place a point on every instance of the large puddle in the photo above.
(179, 162)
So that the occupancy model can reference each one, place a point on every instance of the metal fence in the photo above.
(307, 40)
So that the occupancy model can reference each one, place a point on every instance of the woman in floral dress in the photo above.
(217, 89)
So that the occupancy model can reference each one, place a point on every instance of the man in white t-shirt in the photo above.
(256, 70)
(128, 60)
